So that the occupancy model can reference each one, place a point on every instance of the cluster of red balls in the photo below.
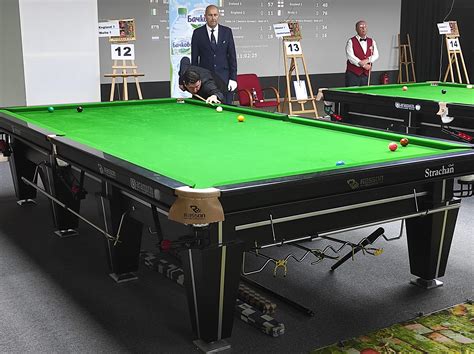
(393, 146)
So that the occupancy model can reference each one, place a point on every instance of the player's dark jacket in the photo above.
(210, 83)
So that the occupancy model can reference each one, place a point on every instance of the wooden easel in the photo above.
(293, 52)
(453, 46)
(405, 61)
(128, 67)
(125, 73)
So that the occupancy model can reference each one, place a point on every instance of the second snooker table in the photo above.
(416, 110)
(271, 180)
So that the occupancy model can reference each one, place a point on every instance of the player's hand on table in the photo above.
(212, 99)
(232, 85)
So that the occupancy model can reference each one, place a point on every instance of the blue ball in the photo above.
(340, 163)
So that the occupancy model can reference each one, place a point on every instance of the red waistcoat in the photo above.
(359, 53)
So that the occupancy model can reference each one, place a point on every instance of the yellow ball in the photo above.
(240, 118)
(219, 109)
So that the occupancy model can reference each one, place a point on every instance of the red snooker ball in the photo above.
(392, 146)
(403, 141)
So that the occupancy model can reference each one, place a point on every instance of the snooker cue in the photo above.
(370, 60)
(202, 99)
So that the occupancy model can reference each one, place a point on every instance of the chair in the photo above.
(251, 93)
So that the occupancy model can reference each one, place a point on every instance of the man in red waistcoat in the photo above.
(361, 53)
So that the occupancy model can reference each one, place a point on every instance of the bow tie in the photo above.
(363, 39)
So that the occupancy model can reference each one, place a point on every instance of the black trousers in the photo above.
(229, 97)
(222, 85)
(356, 80)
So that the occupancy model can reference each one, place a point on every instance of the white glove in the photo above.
(212, 99)
(232, 85)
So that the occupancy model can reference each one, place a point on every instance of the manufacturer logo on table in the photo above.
(195, 208)
(195, 214)
(365, 182)
(407, 106)
(442, 171)
(353, 183)
(141, 187)
(107, 171)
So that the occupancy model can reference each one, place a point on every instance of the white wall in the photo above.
(12, 85)
(152, 56)
(60, 51)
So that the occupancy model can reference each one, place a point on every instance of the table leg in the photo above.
(429, 238)
(58, 181)
(20, 166)
(211, 277)
(123, 256)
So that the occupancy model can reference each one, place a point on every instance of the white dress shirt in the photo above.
(216, 32)
(350, 51)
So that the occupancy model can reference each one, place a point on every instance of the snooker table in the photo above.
(415, 111)
(238, 186)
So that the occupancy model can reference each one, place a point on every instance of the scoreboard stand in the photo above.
(455, 56)
(293, 54)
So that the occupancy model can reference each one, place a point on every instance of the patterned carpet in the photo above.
(446, 331)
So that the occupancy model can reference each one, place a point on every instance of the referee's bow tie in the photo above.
(363, 39)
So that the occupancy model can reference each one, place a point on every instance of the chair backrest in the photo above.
(251, 83)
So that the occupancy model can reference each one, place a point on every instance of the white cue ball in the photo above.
(219, 109)
(469, 86)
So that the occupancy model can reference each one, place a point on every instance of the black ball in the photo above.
(79, 109)
(443, 91)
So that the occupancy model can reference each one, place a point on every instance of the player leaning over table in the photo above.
(200, 82)
(361, 53)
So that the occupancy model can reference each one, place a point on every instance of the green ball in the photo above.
(50, 109)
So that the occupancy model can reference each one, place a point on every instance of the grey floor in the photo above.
(56, 296)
